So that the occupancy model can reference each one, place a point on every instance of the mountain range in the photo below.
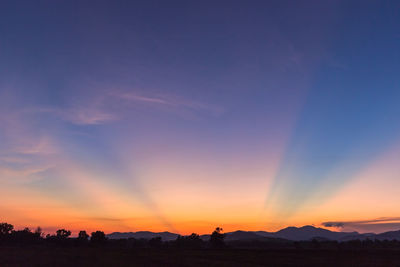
(290, 233)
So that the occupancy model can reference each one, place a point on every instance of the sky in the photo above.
(186, 115)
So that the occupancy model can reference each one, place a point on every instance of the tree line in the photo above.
(62, 237)
(10, 236)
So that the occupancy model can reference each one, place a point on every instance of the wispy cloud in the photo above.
(21, 175)
(79, 115)
(13, 160)
(42, 146)
(377, 220)
(114, 105)
(141, 98)
(87, 116)
(167, 100)
(372, 225)
(26, 151)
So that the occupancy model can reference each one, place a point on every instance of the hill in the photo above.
(304, 233)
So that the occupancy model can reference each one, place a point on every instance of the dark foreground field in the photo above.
(70, 256)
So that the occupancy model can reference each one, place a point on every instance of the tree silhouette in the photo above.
(6, 228)
(83, 236)
(193, 236)
(190, 241)
(63, 234)
(25, 236)
(39, 232)
(98, 237)
(217, 238)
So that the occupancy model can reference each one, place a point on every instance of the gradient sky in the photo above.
(186, 115)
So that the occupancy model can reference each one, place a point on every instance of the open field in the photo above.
(89, 256)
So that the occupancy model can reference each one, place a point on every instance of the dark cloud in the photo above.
(333, 224)
(375, 225)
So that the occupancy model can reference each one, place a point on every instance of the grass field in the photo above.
(89, 256)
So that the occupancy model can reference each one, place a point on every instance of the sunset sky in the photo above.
(186, 115)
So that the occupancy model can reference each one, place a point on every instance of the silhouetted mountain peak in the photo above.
(307, 232)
